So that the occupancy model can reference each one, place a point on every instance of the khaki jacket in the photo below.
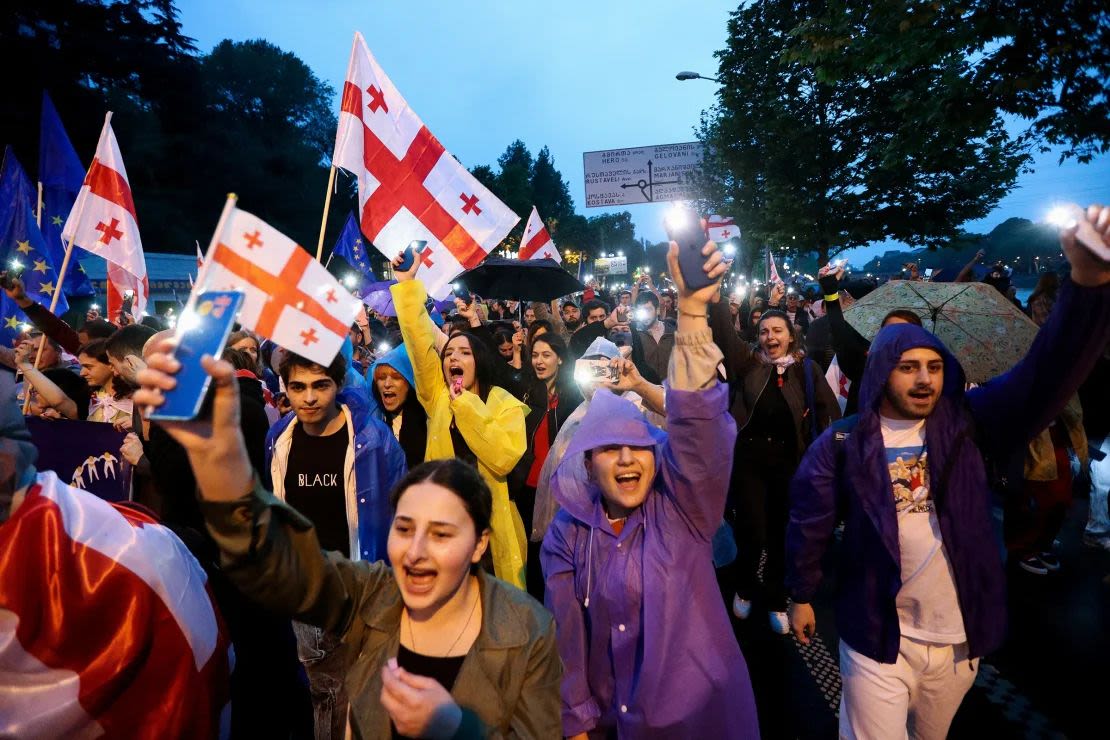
(508, 685)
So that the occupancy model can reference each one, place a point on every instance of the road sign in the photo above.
(647, 174)
(611, 266)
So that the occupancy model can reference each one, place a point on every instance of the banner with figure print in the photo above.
(84, 454)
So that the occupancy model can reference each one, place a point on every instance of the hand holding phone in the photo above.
(215, 314)
(685, 228)
(408, 257)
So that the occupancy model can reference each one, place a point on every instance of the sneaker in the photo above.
(780, 623)
(742, 608)
(1096, 541)
(1033, 564)
(1049, 561)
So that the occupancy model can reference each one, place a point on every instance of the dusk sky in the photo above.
(574, 76)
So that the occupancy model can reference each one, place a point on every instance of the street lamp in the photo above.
(683, 76)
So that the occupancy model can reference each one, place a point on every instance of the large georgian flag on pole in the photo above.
(536, 243)
(721, 228)
(409, 186)
(290, 297)
(107, 626)
(103, 222)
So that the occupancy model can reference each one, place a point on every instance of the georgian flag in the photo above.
(409, 186)
(536, 243)
(103, 222)
(839, 383)
(107, 626)
(290, 297)
(773, 271)
(721, 228)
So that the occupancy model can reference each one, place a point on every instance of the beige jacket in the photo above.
(508, 685)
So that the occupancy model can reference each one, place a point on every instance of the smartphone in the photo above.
(203, 334)
(414, 248)
(128, 302)
(593, 371)
(463, 294)
(684, 227)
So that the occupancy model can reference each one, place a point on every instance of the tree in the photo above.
(514, 178)
(1044, 61)
(549, 190)
(902, 149)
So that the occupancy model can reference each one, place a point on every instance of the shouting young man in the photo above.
(922, 590)
(335, 463)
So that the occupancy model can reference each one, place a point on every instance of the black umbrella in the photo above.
(520, 280)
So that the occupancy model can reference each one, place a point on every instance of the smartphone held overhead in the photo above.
(408, 257)
(685, 228)
(202, 330)
(1070, 216)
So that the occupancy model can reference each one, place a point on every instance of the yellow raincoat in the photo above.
(493, 430)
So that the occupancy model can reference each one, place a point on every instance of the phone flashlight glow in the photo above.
(677, 218)
(1062, 217)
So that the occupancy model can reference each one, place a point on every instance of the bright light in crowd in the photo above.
(25, 327)
(789, 290)
(349, 280)
(677, 218)
(17, 265)
(642, 314)
(589, 278)
(620, 253)
(1063, 216)
(730, 249)
(94, 306)
(739, 291)
(188, 321)
(384, 347)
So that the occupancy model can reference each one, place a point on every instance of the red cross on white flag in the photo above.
(773, 271)
(409, 186)
(290, 297)
(721, 228)
(536, 243)
(103, 222)
(839, 383)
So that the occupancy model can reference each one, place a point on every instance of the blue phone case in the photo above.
(691, 237)
(407, 258)
(215, 315)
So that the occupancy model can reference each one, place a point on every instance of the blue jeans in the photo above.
(324, 659)
(1098, 518)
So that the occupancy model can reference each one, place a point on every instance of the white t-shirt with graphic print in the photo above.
(928, 607)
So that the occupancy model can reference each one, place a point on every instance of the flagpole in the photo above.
(324, 218)
(38, 207)
(65, 261)
(57, 295)
(202, 272)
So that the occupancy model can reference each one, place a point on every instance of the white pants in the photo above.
(915, 697)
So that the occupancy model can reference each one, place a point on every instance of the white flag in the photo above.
(409, 186)
(536, 243)
(290, 297)
(103, 222)
(721, 228)
(839, 383)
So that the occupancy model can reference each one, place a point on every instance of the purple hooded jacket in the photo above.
(849, 475)
(647, 647)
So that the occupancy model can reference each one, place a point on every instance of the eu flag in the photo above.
(23, 247)
(61, 175)
(350, 248)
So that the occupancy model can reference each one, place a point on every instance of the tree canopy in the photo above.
(902, 147)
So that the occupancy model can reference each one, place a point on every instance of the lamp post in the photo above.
(683, 76)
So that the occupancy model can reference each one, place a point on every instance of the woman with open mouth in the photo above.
(552, 395)
(645, 639)
(781, 404)
(392, 388)
(469, 417)
(443, 649)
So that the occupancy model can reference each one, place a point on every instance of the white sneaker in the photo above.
(780, 623)
(742, 608)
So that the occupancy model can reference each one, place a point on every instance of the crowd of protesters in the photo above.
(534, 519)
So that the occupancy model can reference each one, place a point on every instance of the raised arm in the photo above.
(419, 334)
(1014, 407)
(697, 407)
(268, 549)
(850, 347)
(40, 316)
